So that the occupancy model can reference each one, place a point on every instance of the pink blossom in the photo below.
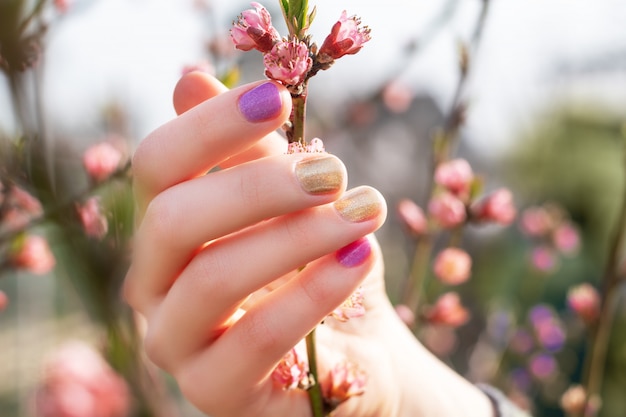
(94, 222)
(412, 216)
(344, 381)
(20, 208)
(573, 400)
(584, 300)
(351, 308)
(288, 62)
(544, 259)
(542, 366)
(101, 160)
(453, 266)
(291, 372)
(33, 254)
(347, 37)
(566, 238)
(254, 30)
(455, 176)
(447, 210)
(77, 382)
(497, 207)
(62, 5)
(4, 301)
(448, 311)
(536, 221)
(314, 146)
(397, 97)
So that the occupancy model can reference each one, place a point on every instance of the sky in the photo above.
(133, 51)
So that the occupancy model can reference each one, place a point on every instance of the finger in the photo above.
(195, 87)
(219, 279)
(181, 219)
(247, 352)
(207, 134)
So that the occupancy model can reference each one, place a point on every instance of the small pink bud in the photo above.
(101, 160)
(536, 221)
(497, 207)
(4, 301)
(351, 308)
(291, 372)
(566, 238)
(448, 311)
(542, 366)
(288, 62)
(447, 210)
(453, 266)
(412, 216)
(455, 176)
(344, 381)
(94, 222)
(254, 30)
(544, 259)
(584, 300)
(62, 5)
(347, 37)
(33, 254)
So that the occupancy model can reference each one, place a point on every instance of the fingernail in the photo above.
(261, 103)
(355, 253)
(321, 175)
(359, 204)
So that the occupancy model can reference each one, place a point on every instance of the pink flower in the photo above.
(497, 207)
(77, 382)
(566, 238)
(584, 300)
(62, 5)
(4, 301)
(397, 97)
(536, 221)
(455, 176)
(453, 266)
(544, 259)
(447, 210)
(94, 222)
(573, 400)
(346, 38)
(314, 146)
(542, 366)
(254, 30)
(288, 62)
(412, 216)
(33, 254)
(344, 381)
(448, 311)
(20, 208)
(291, 372)
(101, 160)
(351, 308)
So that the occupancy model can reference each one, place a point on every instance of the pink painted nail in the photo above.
(355, 253)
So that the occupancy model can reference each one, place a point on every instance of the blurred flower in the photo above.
(522, 342)
(520, 379)
(584, 300)
(566, 238)
(94, 222)
(544, 259)
(345, 380)
(347, 37)
(62, 5)
(288, 62)
(397, 97)
(455, 176)
(412, 216)
(447, 210)
(550, 334)
(33, 254)
(291, 372)
(447, 311)
(497, 207)
(77, 382)
(536, 221)
(254, 30)
(542, 366)
(20, 208)
(4, 301)
(101, 160)
(453, 266)
(573, 400)
(406, 314)
(351, 308)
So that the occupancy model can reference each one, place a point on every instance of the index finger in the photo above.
(205, 135)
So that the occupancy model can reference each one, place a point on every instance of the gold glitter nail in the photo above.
(323, 175)
(359, 204)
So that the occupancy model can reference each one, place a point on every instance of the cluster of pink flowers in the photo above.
(344, 381)
(292, 371)
(316, 145)
(553, 234)
(102, 160)
(351, 308)
(292, 61)
(77, 381)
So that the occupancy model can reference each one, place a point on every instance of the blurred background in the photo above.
(540, 111)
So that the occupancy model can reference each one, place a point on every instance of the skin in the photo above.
(261, 226)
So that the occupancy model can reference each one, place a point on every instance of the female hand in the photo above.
(216, 256)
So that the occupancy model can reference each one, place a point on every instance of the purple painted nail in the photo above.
(261, 103)
(355, 253)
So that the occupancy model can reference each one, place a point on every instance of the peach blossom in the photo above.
(33, 254)
(453, 266)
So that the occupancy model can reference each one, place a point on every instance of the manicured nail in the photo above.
(261, 103)
(355, 253)
(321, 175)
(359, 204)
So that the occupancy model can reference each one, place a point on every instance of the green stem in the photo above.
(415, 285)
(297, 131)
(315, 391)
